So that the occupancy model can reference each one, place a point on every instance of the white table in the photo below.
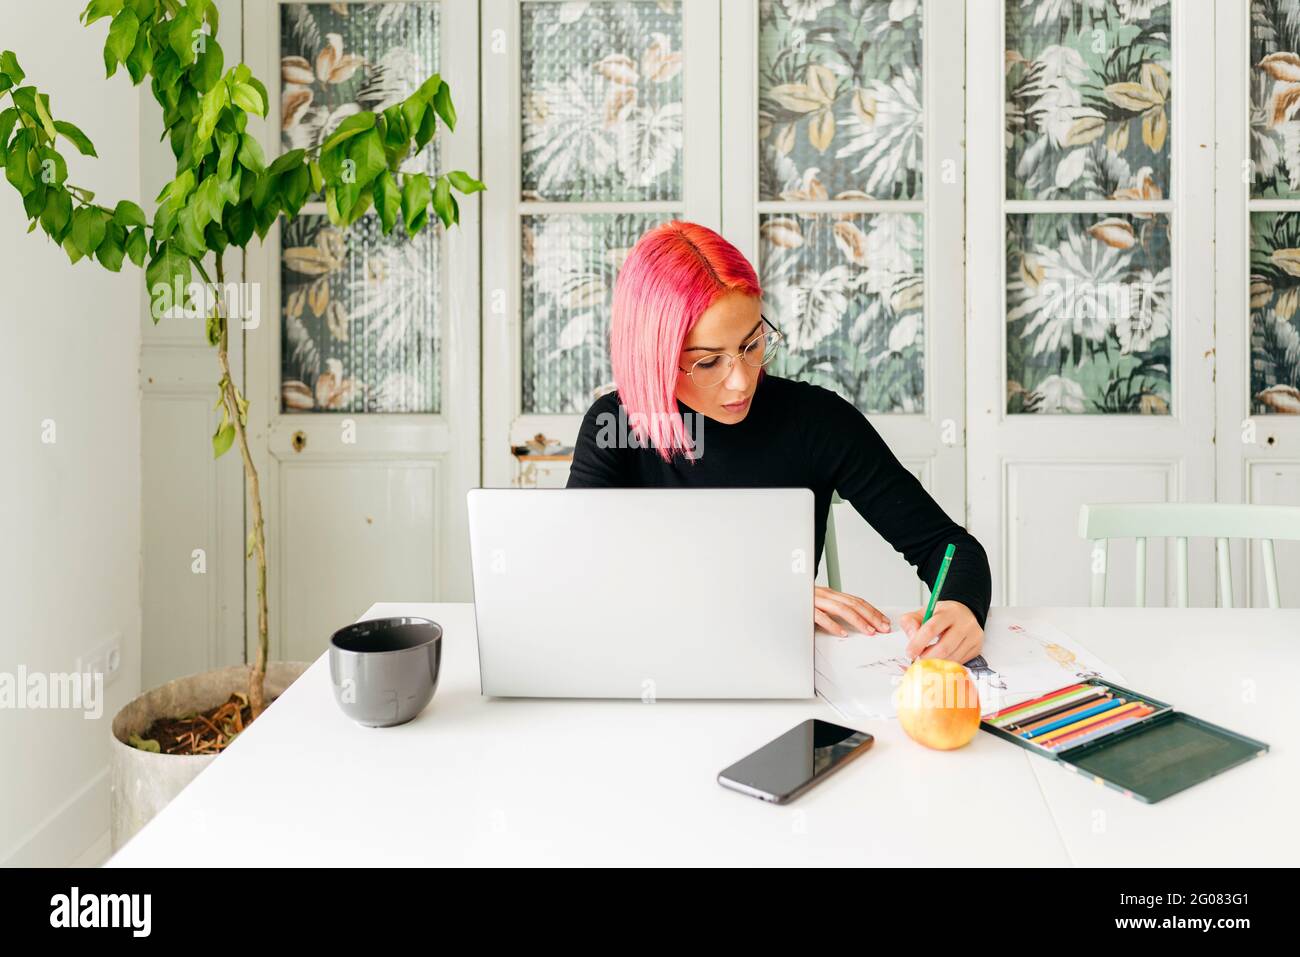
(477, 780)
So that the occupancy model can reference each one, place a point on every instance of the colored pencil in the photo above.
(1073, 713)
(1028, 714)
(1118, 707)
(1057, 698)
(1005, 712)
(1071, 720)
(1092, 697)
(1101, 729)
(938, 582)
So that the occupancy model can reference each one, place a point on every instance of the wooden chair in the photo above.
(1263, 523)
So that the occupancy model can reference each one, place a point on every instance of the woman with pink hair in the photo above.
(694, 408)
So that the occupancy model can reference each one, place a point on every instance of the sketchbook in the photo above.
(857, 675)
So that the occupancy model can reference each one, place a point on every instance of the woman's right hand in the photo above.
(857, 613)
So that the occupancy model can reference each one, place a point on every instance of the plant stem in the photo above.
(257, 678)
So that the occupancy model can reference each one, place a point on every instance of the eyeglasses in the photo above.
(710, 370)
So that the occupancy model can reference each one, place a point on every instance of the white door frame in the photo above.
(446, 443)
(932, 443)
(1005, 448)
(1248, 446)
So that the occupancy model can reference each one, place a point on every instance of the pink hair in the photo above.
(676, 271)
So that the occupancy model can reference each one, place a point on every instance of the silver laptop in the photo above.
(644, 593)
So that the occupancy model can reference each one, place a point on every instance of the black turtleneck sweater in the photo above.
(797, 435)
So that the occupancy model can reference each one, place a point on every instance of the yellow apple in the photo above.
(938, 704)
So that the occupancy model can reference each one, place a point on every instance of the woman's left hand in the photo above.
(960, 635)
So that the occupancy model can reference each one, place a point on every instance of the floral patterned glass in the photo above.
(1275, 98)
(360, 318)
(1088, 90)
(570, 261)
(1088, 313)
(840, 99)
(847, 291)
(602, 100)
(359, 330)
(337, 59)
(1275, 313)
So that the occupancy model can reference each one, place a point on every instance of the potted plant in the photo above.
(223, 194)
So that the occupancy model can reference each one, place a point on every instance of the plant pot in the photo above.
(142, 783)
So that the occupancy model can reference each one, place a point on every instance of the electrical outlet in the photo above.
(106, 659)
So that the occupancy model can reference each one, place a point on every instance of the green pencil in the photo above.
(938, 582)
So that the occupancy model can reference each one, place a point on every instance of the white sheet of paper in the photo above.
(858, 674)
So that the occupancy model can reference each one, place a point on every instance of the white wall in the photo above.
(69, 510)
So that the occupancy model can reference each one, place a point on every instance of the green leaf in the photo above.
(240, 223)
(53, 170)
(128, 213)
(256, 84)
(224, 437)
(110, 253)
(164, 219)
(463, 182)
(57, 215)
(77, 138)
(293, 188)
(442, 103)
(428, 89)
(9, 66)
(415, 202)
(140, 62)
(121, 39)
(210, 107)
(69, 247)
(250, 153)
(7, 120)
(88, 229)
(98, 9)
(213, 17)
(367, 152)
(428, 127)
(144, 744)
(43, 114)
(209, 66)
(413, 110)
(442, 201)
(247, 97)
(189, 228)
(354, 124)
(229, 143)
(360, 206)
(137, 246)
(16, 169)
(388, 200)
(286, 161)
(180, 36)
(34, 203)
(31, 102)
(396, 135)
(168, 269)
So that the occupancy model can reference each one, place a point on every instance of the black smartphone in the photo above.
(784, 768)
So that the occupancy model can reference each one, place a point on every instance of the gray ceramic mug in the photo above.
(385, 671)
